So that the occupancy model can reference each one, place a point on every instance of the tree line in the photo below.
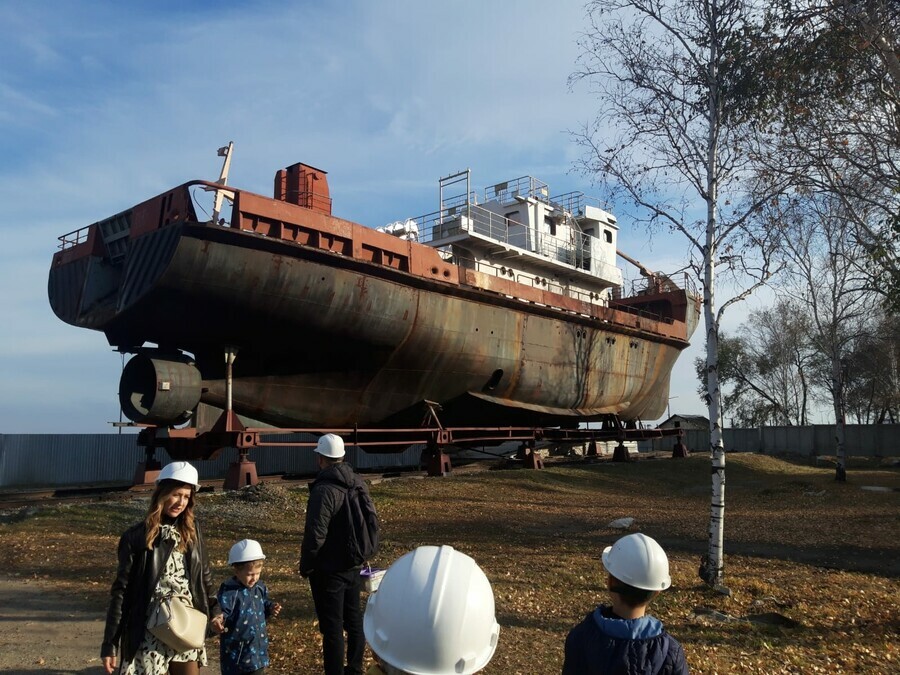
(773, 371)
(767, 134)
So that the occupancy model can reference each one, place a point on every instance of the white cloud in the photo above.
(18, 108)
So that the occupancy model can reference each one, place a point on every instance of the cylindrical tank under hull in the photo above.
(159, 389)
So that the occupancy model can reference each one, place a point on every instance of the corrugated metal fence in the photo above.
(39, 460)
(860, 440)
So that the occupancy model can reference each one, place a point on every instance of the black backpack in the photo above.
(362, 522)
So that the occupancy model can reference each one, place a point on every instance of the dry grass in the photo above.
(792, 537)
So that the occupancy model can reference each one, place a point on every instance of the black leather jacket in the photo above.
(136, 579)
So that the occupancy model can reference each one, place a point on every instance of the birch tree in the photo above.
(669, 138)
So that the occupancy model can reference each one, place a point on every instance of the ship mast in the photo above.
(225, 152)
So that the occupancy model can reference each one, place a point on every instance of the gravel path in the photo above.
(43, 630)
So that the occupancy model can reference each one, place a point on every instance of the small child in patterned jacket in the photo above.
(245, 604)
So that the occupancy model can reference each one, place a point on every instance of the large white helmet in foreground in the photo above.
(433, 614)
(639, 561)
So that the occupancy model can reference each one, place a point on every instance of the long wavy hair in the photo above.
(185, 521)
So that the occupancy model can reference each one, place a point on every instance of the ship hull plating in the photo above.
(324, 340)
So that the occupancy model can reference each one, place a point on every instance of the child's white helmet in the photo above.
(245, 550)
(180, 471)
(433, 613)
(639, 561)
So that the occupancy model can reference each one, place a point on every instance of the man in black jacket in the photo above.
(325, 559)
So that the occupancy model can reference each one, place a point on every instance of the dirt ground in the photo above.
(821, 556)
(44, 629)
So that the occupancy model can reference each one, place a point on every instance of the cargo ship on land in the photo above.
(503, 307)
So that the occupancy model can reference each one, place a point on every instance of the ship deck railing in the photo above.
(73, 238)
(522, 187)
(575, 202)
(644, 286)
(510, 191)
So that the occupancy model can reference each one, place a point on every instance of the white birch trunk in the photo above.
(712, 569)
(837, 383)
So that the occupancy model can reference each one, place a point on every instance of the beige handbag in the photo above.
(176, 623)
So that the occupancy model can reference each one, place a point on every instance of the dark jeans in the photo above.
(336, 596)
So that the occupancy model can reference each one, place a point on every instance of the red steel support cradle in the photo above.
(228, 432)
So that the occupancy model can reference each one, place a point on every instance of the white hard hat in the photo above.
(180, 471)
(331, 446)
(245, 550)
(433, 613)
(639, 561)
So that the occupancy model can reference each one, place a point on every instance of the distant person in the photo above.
(244, 599)
(433, 614)
(622, 637)
(330, 556)
(161, 555)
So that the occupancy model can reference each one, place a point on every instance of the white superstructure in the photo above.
(518, 231)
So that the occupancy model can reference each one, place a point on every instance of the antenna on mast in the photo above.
(225, 152)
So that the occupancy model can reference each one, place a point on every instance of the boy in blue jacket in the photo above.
(245, 604)
(622, 637)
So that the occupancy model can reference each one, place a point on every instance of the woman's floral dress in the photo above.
(153, 656)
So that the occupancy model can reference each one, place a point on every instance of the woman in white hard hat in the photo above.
(163, 554)
(622, 637)
(432, 614)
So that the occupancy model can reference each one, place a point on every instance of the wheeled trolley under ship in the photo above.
(501, 308)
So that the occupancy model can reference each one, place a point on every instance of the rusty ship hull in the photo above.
(337, 325)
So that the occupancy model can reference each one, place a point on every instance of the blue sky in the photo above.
(105, 104)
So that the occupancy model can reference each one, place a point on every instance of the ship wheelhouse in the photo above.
(517, 231)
